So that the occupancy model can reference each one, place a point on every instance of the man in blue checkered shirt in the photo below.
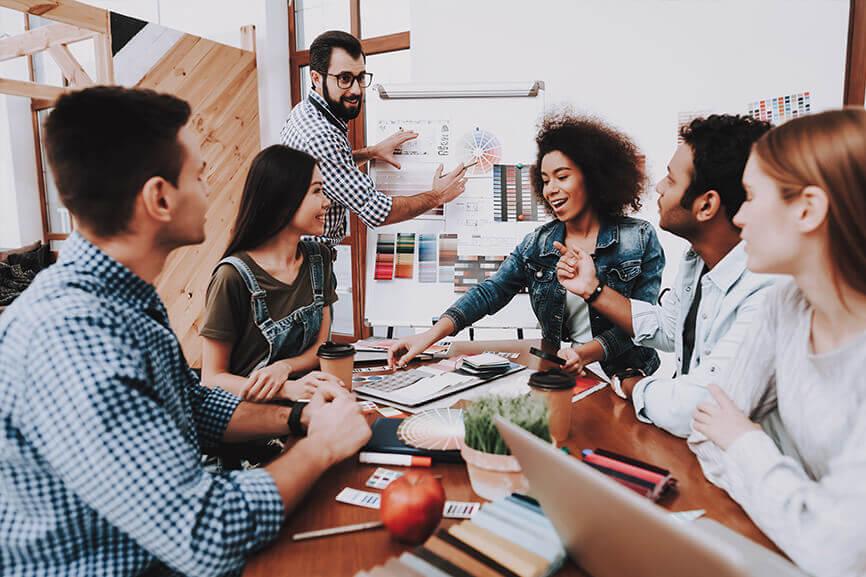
(318, 126)
(103, 423)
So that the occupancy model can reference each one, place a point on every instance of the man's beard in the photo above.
(339, 109)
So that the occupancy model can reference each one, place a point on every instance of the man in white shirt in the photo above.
(705, 317)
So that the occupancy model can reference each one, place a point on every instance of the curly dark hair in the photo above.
(721, 144)
(612, 167)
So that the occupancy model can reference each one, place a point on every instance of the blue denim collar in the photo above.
(727, 271)
(608, 234)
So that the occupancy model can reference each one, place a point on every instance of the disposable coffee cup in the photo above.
(556, 388)
(338, 360)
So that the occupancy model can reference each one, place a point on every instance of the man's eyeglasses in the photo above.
(345, 80)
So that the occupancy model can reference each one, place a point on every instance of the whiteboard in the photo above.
(452, 127)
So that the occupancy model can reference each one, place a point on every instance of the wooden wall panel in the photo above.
(221, 85)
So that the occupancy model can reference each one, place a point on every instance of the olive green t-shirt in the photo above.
(229, 314)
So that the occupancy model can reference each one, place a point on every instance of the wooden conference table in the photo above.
(600, 420)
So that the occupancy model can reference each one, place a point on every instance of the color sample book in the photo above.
(509, 537)
(447, 256)
(385, 245)
(427, 257)
(405, 255)
(513, 199)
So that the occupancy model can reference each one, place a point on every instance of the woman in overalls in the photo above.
(268, 302)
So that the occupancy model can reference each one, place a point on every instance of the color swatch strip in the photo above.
(385, 245)
(447, 256)
(513, 199)
(405, 255)
(427, 257)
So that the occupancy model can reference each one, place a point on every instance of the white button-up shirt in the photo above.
(731, 298)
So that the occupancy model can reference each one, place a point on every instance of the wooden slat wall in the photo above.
(220, 83)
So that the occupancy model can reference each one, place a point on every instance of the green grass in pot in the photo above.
(525, 412)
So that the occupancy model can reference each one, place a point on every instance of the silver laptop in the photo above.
(611, 531)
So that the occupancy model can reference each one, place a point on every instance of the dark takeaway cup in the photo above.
(556, 388)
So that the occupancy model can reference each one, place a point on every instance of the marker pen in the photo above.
(395, 459)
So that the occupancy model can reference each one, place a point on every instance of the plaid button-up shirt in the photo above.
(313, 128)
(101, 424)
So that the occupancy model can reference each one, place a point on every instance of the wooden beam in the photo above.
(248, 37)
(855, 67)
(72, 70)
(355, 18)
(40, 39)
(30, 89)
(67, 11)
(376, 45)
(104, 57)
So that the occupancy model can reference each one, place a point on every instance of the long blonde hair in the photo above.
(827, 150)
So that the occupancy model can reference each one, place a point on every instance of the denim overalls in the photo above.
(286, 338)
(292, 335)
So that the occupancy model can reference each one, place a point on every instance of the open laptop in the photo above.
(611, 531)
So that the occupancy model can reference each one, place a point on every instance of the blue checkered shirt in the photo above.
(102, 429)
(313, 128)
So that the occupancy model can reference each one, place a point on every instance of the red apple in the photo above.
(412, 507)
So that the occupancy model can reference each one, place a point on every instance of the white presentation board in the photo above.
(410, 278)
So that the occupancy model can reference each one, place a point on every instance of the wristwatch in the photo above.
(616, 380)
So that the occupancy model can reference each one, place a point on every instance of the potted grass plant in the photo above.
(493, 471)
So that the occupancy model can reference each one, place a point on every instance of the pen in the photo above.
(394, 459)
(336, 530)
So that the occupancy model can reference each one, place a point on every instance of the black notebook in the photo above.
(385, 440)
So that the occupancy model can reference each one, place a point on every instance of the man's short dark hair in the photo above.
(324, 44)
(721, 144)
(103, 144)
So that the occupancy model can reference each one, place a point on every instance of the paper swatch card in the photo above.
(382, 477)
(366, 499)
(460, 509)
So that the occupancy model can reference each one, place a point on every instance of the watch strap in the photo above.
(595, 294)
(295, 426)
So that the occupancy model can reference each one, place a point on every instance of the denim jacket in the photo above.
(628, 258)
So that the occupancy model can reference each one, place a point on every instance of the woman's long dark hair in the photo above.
(277, 182)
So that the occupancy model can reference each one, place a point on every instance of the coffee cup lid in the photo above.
(332, 350)
(554, 379)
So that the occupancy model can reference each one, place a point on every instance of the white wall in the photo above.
(638, 63)
(20, 217)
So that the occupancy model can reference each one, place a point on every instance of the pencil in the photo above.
(336, 530)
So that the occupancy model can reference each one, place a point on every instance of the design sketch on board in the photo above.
(778, 110)
(483, 148)
(413, 177)
(513, 198)
(434, 137)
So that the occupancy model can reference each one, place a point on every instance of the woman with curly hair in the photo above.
(590, 176)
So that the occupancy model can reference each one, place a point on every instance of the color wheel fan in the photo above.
(482, 148)
(436, 429)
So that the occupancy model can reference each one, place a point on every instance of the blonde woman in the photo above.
(803, 217)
